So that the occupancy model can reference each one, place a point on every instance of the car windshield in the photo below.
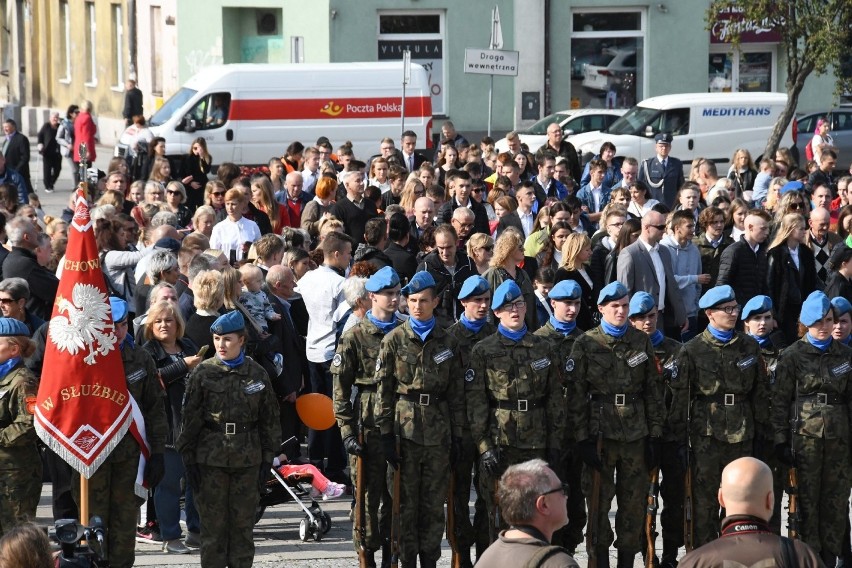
(634, 122)
(540, 127)
(174, 104)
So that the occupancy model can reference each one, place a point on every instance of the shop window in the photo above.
(746, 71)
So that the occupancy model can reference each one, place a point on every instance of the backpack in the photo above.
(809, 151)
(543, 554)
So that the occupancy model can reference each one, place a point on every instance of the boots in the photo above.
(386, 554)
(669, 559)
(625, 559)
(602, 559)
(829, 559)
(371, 558)
(426, 563)
(464, 558)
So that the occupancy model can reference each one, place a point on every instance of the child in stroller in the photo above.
(320, 485)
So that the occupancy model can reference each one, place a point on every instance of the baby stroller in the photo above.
(295, 487)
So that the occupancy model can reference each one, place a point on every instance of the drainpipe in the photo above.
(131, 37)
(548, 21)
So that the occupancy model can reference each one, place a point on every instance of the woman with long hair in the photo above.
(292, 158)
(791, 274)
(142, 164)
(504, 265)
(411, 192)
(161, 170)
(193, 172)
(175, 202)
(791, 202)
(447, 160)
(576, 254)
(602, 265)
(263, 197)
(742, 174)
(735, 222)
(379, 169)
(550, 255)
(640, 199)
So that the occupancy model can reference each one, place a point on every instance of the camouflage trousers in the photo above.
(570, 471)
(624, 476)
(377, 496)
(764, 450)
(462, 472)
(487, 484)
(671, 492)
(111, 497)
(709, 457)
(227, 503)
(824, 480)
(20, 490)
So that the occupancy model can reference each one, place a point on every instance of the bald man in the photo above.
(746, 495)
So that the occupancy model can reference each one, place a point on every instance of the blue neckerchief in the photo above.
(513, 335)
(384, 326)
(821, 345)
(235, 362)
(723, 336)
(8, 365)
(762, 341)
(657, 338)
(563, 327)
(613, 330)
(128, 341)
(422, 328)
(473, 325)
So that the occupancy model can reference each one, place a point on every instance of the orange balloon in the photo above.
(315, 410)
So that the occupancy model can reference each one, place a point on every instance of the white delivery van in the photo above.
(248, 113)
(707, 125)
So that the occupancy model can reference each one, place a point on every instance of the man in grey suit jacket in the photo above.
(645, 265)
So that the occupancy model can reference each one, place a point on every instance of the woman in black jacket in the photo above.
(839, 280)
(193, 172)
(576, 253)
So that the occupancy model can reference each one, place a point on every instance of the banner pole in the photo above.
(84, 500)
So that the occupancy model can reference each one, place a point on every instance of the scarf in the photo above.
(563, 327)
(8, 366)
(614, 330)
(723, 336)
(128, 342)
(762, 341)
(384, 326)
(821, 345)
(473, 325)
(235, 362)
(657, 338)
(422, 328)
(513, 335)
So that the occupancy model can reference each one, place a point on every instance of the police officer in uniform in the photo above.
(644, 317)
(355, 393)
(715, 382)
(515, 405)
(231, 432)
(473, 326)
(813, 388)
(662, 173)
(560, 332)
(616, 391)
(421, 400)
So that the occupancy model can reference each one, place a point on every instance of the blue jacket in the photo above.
(686, 265)
(611, 178)
(15, 179)
(586, 197)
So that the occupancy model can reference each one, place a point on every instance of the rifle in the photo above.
(688, 515)
(84, 166)
(360, 505)
(455, 560)
(395, 528)
(592, 535)
(793, 515)
(651, 518)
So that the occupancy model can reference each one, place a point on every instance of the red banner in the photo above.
(83, 408)
(315, 109)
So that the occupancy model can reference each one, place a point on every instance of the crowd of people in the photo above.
(465, 312)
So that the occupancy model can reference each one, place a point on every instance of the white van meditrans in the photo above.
(248, 113)
(707, 125)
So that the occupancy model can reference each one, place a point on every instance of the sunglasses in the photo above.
(796, 206)
(487, 248)
(659, 227)
(6, 301)
(172, 192)
(217, 193)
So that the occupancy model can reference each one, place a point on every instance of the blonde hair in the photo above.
(329, 224)
(161, 308)
(477, 241)
(508, 241)
(571, 249)
(209, 290)
(789, 223)
(230, 280)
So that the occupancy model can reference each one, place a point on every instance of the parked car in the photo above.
(841, 132)
(608, 70)
(574, 121)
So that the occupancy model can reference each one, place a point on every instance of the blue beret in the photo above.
(384, 278)
(474, 286)
(757, 305)
(715, 296)
(814, 309)
(663, 137)
(506, 292)
(119, 309)
(791, 186)
(641, 303)
(841, 305)
(612, 291)
(565, 290)
(419, 282)
(10, 327)
(228, 323)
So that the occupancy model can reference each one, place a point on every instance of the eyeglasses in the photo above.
(515, 306)
(730, 310)
(563, 487)
(796, 206)
(659, 227)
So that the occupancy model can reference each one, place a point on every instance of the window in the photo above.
(748, 70)
(64, 41)
(211, 112)
(117, 47)
(156, 56)
(91, 43)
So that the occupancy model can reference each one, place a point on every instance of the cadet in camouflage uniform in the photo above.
(758, 322)
(515, 403)
(473, 326)
(560, 332)
(617, 390)
(644, 317)
(112, 486)
(20, 472)
(716, 380)
(813, 389)
(353, 369)
(421, 399)
(230, 434)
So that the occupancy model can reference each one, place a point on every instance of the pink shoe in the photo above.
(333, 490)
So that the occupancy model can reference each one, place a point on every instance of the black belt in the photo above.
(617, 399)
(421, 398)
(822, 398)
(521, 405)
(367, 388)
(726, 398)
(231, 428)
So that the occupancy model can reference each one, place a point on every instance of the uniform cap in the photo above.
(474, 286)
(228, 323)
(612, 291)
(506, 292)
(565, 290)
(757, 305)
(715, 296)
(419, 282)
(814, 309)
(663, 138)
(791, 186)
(841, 305)
(641, 303)
(386, 277)
(169, 244)
(119, 309)
(10, 327)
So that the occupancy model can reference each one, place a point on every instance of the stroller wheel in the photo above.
(325, 522)
(304, 529)
(258, 513)
(316, 530)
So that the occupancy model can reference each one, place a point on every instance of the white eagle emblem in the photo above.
(88, 325)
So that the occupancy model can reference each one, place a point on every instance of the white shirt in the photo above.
(639, 211)
(596, 196)
(322, 291)
(794, 254)
(229, 236)
(527, 222)
(409, 161)
(654, 251)
(736, 234)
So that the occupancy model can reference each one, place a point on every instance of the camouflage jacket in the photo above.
(429, 371)
(802, 372)
(219, 398)
(467, 339)
(514, 395)
(666, 354)
(602, 371)
(17, 436)
(763, 401)
(715, 388)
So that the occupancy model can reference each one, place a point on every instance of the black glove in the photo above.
(264, 474)
(653, 452)
(155, 469)
(489, 463)
(683, 456)
(455, 451)
(784, 453)
(389, 447)
(352, 446)
(193, 477)
(554, 457)
(589, 453)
